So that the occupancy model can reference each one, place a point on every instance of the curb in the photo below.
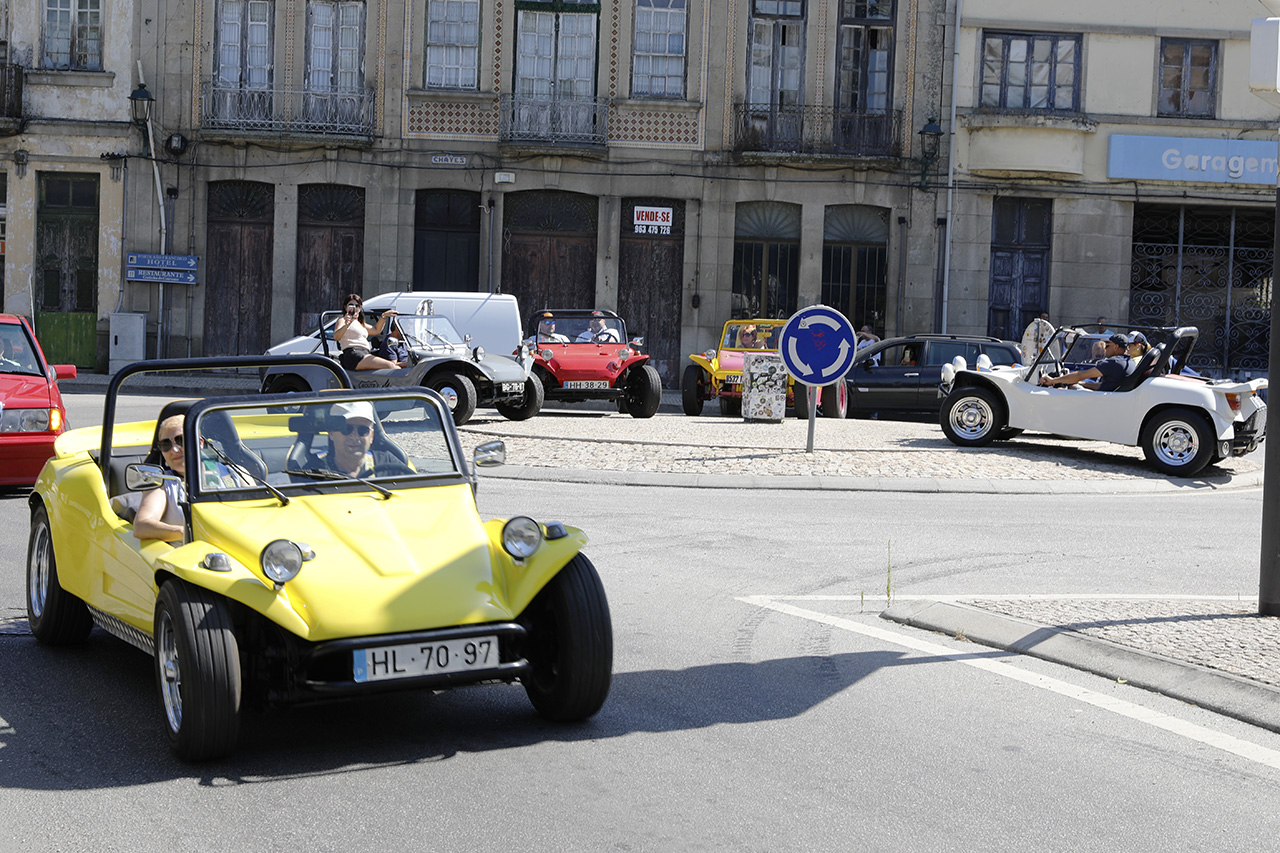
(1223, 693)
(921, 485)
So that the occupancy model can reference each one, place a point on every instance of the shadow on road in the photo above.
(89, 717)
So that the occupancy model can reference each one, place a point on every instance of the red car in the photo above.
(584, 354)
(31, 412)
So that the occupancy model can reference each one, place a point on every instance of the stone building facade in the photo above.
(1115, 168)
(680, 161)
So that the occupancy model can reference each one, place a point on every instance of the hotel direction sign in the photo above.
(164, 269)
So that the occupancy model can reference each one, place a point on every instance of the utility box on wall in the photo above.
(127, 339)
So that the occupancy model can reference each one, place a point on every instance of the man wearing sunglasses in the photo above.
(350, 437)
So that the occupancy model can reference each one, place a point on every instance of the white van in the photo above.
(491, 319)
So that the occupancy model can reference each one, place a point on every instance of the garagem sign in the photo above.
(1177, 158)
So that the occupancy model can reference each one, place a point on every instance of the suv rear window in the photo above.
(1002, 354)
(943, 352)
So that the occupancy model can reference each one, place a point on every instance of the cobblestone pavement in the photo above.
(675, 444)
(1226, 635)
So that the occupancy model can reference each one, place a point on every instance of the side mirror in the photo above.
(64, 371)
(491, 454)
(139, 477)
(636, 343)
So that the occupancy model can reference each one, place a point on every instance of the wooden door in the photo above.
(549, 250)
(1019, 288)
(446, 240)
(330, 250)
(67, 268)
(651, 283)
(237, 304)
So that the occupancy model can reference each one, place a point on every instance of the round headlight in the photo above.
(984, 362)
(521, 536)
(709, 354)
(948, 374)
(478, 353)
(281, 561)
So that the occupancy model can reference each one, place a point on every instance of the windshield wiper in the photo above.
(240, 470)
(321, 474)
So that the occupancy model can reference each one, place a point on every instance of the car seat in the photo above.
(218, 428)
(1145, 367)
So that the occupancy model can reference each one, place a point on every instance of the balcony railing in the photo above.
(817, 130)
(334, 112)
(575, 121)
(11, 91)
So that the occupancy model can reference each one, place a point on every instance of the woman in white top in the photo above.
(352, 334)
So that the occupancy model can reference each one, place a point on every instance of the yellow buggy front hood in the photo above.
(421, 559)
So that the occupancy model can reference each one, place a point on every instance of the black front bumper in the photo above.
(303, 672)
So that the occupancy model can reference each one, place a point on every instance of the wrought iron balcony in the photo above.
(817, 130)
(11, 91)
(573, 121)
(332, 112)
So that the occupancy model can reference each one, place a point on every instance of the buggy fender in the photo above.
(311, 377)
(239, 584)
(704, 363)
(526, 578)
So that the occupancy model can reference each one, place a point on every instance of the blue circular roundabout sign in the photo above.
(818, 345)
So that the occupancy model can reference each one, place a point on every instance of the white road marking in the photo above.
(1248, 751)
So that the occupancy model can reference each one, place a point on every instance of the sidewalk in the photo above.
(1215, 653)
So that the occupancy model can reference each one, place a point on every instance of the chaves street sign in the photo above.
(817, 345)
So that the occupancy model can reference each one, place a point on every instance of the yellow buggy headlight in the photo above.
(282, 560)
(521, 536)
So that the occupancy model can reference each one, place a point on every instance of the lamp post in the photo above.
(141, 103)
(1264, 81)
(930, 137)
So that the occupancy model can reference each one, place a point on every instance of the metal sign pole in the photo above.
(813, 415)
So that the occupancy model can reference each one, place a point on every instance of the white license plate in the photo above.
(734, 379)
(512, 387)
(587, 383)
(427, 658)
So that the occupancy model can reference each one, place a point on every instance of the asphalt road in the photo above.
(758, 702)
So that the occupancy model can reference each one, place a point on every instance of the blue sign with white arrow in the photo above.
(162, 262)
(817, 345)
(162, 276)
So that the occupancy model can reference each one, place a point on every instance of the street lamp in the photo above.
(930, 138)
(140, 102)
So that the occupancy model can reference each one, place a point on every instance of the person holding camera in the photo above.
(352, 334)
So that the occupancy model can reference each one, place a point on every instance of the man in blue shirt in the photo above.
(1109, 372)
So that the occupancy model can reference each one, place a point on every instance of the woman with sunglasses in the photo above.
(159, 515)
(352, 334)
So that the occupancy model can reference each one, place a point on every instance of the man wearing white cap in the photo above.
(351, 441)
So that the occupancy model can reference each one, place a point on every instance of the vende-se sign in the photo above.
(652, 220)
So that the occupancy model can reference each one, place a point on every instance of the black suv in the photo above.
(901, 375)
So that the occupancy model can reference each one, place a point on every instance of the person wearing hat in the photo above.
(1137, 346)
(351, 432)
(1108, 373)
(547, 333)
(597, 332)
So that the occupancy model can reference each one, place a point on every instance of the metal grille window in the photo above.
(1210, 268)
(658, 64)
(73, 35)
(855, 245)
(1188, 77)
(865, 55)
(244, 43)
(453, 44)
(1022, 71)
(335, 59)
